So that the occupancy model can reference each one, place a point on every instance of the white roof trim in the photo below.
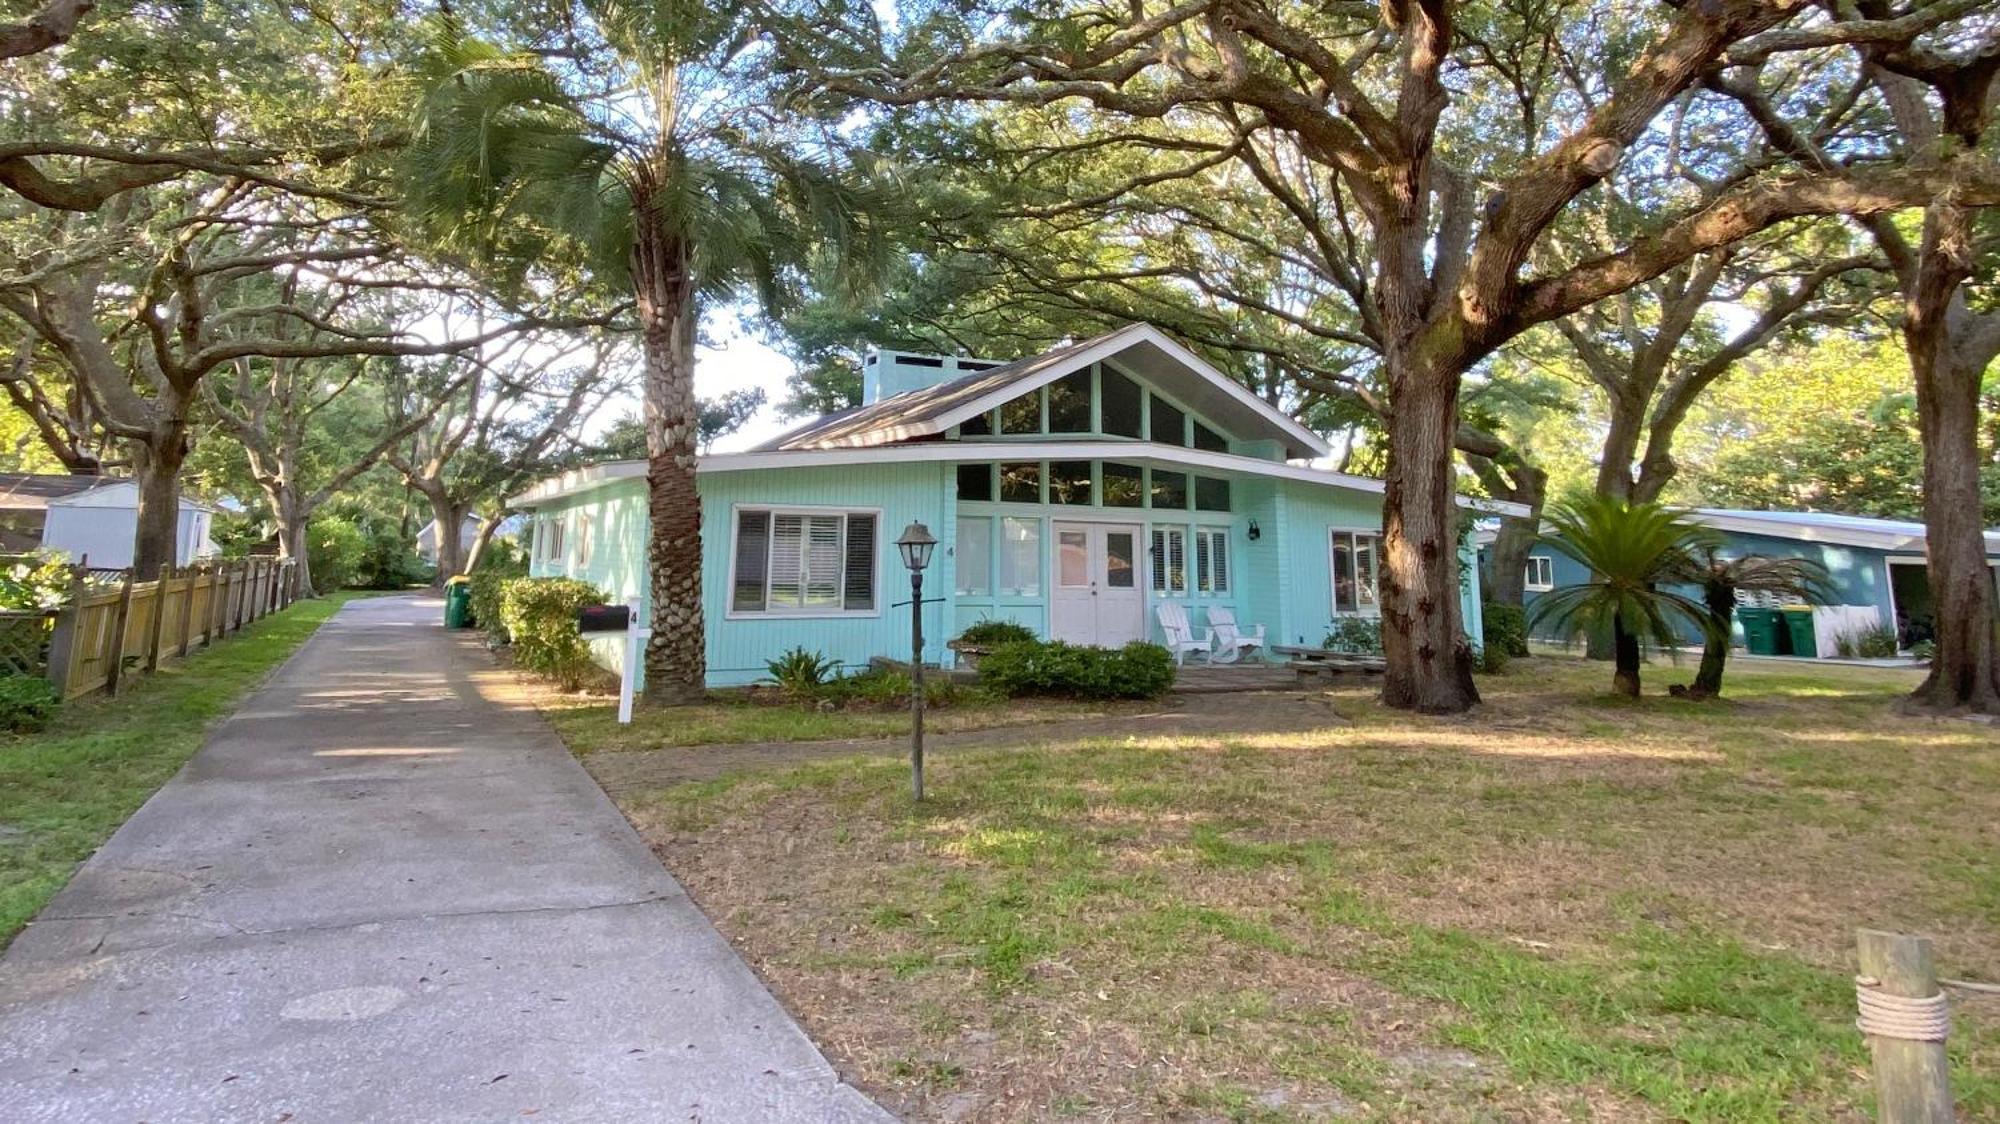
(1107, 347)
(956, 452)
(1836, 535)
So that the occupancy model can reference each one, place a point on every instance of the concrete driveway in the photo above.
(383, 891)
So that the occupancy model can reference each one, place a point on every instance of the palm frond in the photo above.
(1634, 551)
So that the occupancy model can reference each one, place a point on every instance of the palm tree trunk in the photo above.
(1625, 653)
(676, 655)
(1721, 601)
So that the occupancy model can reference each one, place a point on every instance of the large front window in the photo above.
(1355, 554)
(804, 562)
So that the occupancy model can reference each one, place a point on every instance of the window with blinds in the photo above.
(804, 562)
(1211, 560)
(1169, 560)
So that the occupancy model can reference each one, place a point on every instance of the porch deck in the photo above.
(1215, 679)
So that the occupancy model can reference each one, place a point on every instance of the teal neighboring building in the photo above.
(1877, 567)
(1074, 492)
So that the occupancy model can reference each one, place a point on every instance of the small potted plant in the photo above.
(986, 635)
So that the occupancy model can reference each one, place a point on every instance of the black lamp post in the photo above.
(916, 546)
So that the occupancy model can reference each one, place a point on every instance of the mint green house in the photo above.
(1076, 492)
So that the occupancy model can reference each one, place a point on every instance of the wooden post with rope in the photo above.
(1904, 1016)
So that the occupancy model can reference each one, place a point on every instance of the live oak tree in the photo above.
(141, 301)
(283, 414)
(1430, 204)
(649, 145)
(1931, 84)
(519, 411)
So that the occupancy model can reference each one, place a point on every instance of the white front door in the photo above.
(1096, 597)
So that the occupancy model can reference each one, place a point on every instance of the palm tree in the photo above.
(649, 146)
(1720, 580)
(1632, 550)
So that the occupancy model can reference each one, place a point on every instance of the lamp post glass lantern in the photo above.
(916, 546)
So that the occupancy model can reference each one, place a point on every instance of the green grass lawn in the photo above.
(1564, 905)
(65, 790)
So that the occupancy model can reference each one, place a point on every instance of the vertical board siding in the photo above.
(740, 646)
(1281, 581)
(1311, 512)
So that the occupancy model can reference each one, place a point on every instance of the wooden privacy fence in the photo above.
(108, 630)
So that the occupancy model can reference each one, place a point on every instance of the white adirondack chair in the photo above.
(1231, 642)
(1181, 639)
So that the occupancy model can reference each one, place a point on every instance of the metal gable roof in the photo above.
(1139, 349)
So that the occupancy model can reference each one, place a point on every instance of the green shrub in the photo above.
(1493, 658)
(1878, 643)
(488, 586)
(1357, 635)
(1924, 650)
(389, 560)
(1505, 629)
(889, 689)
(1137, 671)
(800, 673)
(26, 703)
(334, 549)
(989, 632)
(540, 615)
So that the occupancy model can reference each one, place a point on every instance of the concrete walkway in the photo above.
(382, 892)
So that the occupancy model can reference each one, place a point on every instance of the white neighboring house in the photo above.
(90, 516)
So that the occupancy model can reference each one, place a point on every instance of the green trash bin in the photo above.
(458, 603)
(1760, 630)
(1798, 624)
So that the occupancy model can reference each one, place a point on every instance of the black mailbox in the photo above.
(603, 618)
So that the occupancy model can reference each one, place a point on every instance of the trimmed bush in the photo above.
(1137, 671)
(540, 615)
(1361, 636)
(488, 586)
(991, 633)
(1506, 628)
(26, 703)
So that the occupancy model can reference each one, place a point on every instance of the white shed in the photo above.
(92, 516)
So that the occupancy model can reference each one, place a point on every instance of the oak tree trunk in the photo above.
(156, 465)
(1507, 557)
(1963, 671)
(676, 656)
(481, 542)
(1423, 639)
(294, 544)
(447, 518)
